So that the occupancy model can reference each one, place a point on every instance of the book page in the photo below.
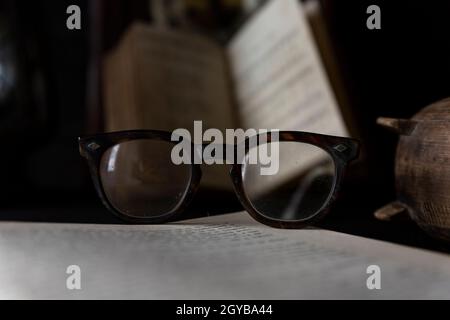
(223, 257)
(278, 77)
(171, 77)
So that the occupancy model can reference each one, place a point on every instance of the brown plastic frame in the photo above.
(342, 150)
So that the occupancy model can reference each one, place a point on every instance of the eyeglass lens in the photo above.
(301, 187)
(140, 180)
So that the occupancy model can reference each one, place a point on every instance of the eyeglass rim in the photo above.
(325, 142)
(297, 222)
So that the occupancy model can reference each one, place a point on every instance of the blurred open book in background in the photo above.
(269, 75)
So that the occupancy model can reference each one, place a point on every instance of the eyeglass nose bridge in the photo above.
(228, 153)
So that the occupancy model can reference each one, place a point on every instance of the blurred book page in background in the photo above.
(222, 257)
(278, 77)
(164, 79)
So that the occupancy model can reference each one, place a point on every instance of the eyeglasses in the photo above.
(137, 180)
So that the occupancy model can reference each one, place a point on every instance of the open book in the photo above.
(269, 76)
(223, 257)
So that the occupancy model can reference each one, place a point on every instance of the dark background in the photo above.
(55, 97)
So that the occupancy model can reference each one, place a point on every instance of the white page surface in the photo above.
(224, 257)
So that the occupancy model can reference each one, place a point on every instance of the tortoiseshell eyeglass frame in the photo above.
(342, 150)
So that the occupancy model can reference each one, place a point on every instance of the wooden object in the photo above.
(423, 169)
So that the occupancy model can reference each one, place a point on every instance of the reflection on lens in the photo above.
(300, 188)
(140, 180)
